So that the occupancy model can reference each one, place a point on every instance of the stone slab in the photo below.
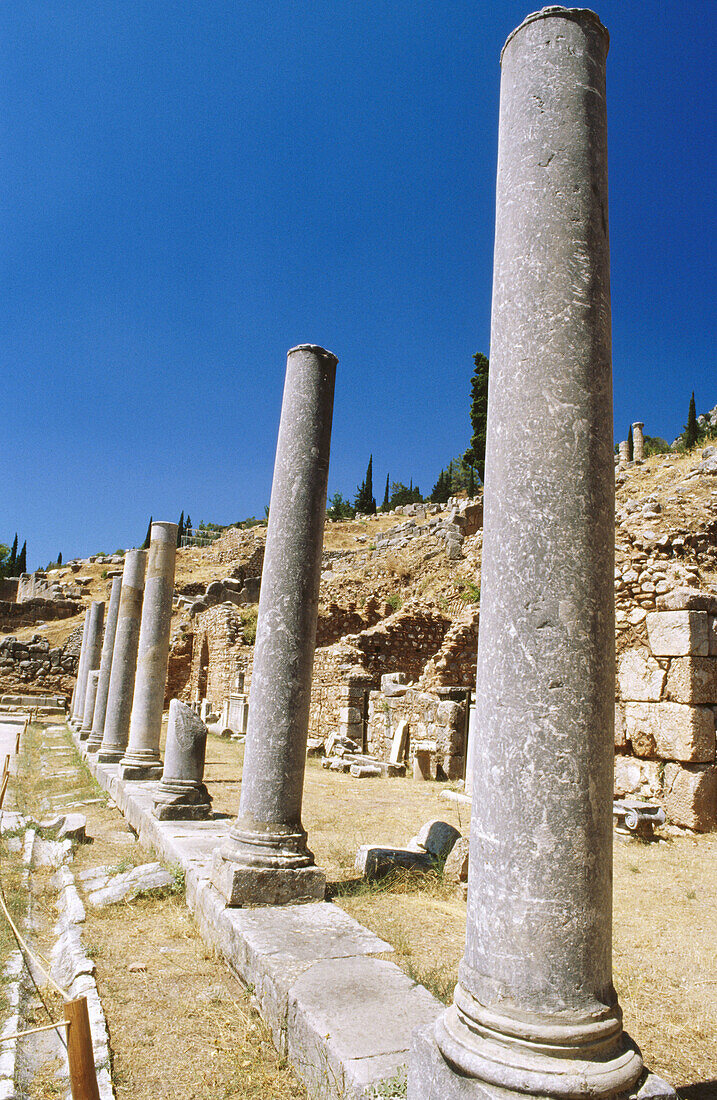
(640, 678)
(678, 633)
(690, 796)
(298, 959)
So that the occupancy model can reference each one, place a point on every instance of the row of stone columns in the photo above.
(120, 688)
(638, 445)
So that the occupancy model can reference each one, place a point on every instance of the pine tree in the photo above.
(384, 506)
(630, 445)
(22, 559)
(180, 530)
(148, 536)
(692, 428)
(12, 560)
(475, 455)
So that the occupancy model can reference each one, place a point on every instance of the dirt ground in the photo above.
(665, 901)
(163, 991)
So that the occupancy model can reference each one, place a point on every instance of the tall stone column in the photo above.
(90, 699)
(142, 759)
(76, 699)
(266, 859)
(638, 442)
(124, 659)
(103, 683)
(624, 451)
(535, 1010)
(92, 661)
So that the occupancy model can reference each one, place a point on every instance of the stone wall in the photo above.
(8, 589)
(37, 668)
(666, 709)
(218, 655)
(455, 663)
(13, 616)
(437, 728)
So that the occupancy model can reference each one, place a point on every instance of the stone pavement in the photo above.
(341, 1014)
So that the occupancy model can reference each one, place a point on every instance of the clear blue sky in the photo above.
(191, 188)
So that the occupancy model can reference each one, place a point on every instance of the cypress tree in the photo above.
(22, 559)
(59, 558)
(629, 444)
(475, 455)
(148, 536)
(384, 506)
(187, 524)
(12, 560)
(692, 428)
(365, 503)
(180, 529)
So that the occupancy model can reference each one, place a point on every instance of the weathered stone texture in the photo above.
(671, 731)
(640, 677)
(690, 796)
(678, 633)
(692, 680)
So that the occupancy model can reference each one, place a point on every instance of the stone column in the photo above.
(266, 859)
(182, 794)
(103, 684)
(76, 715)
(92, 661)
(535, 1010)
(624, 452)
(142, 759)
(90, 698)
(638, 442)
(124, 659)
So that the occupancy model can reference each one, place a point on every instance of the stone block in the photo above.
(678, 633)
(436, 837)
(620, 735)
(693, 680)
(712, 631)
(671, 731)
(637, 777)
(374, 861)
(242, 886)
(639, 677)
(690, 796)
(350, 1022)
(455, 869)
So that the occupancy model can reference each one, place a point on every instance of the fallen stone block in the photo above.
(374, 861)
(74, 827)
(149, 878)
(366, 771)
(455, 869)
(436, 837)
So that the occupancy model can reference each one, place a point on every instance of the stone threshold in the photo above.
(341, 1015)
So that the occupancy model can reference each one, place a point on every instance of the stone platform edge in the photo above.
(341, 1014)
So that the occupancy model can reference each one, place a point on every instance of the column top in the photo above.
(316, 350)
(578, 15)
(638, 424)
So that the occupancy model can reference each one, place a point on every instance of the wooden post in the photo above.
(81, 1058)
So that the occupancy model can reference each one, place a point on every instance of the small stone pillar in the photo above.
(266, 860)
(92, 661)
(124, 659)
(624, 451)
(77, 713)
(142, 759)
(103, 684)
(182, 795)
(638, 442)
(90, 698)
(535, 1010)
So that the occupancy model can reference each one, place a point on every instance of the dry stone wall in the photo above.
(666, 709)
(218, 655)
(437, 728)
(37, 667)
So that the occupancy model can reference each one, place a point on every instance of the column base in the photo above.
(93, 743)
(246, 886)
(84, 733)
(139, 772)
(430, 1076)
(182, 802)
(109, 756)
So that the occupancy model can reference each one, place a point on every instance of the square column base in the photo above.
(141, 771)
(430, 1076)
(245, 886)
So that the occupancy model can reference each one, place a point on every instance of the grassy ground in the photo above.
(174, 1012)
(665, 899)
